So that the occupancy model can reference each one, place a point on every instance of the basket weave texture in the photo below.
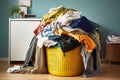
(70, 64)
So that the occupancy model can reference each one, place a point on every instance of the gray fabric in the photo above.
(39, 64)
(24, 70)
(35, 61)
(98, 51)
(94, 59)
(30, 53)
(85, 56)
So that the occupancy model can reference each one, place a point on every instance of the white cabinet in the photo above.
(20, 36)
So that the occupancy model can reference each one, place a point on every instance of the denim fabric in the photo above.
(54, 37)
(83, 23)
(48, 30)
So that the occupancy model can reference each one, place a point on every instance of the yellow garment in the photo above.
(97, 37)
(53, 15)
(82, 38)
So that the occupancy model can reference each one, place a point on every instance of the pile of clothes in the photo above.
(66, 28)
(113, 38)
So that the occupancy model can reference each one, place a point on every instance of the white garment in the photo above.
(68, 17)
(113, 38)
(50, 43)
(41, 41)
(86, 56)
(52, 9)
(15, 67)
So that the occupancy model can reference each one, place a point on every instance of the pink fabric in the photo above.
(40, 27)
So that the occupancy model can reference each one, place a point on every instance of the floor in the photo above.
(110, 72)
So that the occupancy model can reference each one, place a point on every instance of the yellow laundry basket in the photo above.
(70, 64)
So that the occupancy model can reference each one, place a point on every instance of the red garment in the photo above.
(40, 28)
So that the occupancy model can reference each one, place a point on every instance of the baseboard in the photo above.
(3, 59)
